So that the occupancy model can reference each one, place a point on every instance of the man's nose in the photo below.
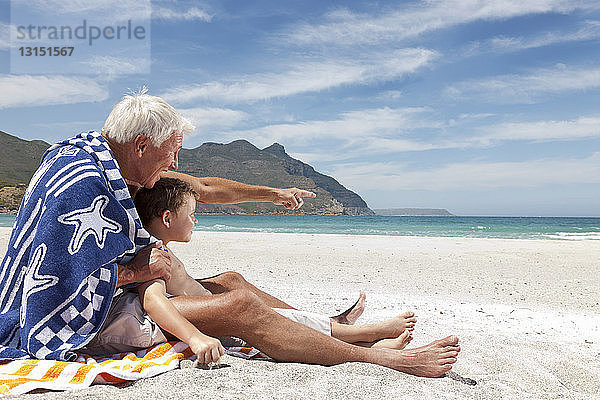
(175, 163)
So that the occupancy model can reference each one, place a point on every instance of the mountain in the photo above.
(272, 166)
(413, 212)
(19, 159)
(238, 160)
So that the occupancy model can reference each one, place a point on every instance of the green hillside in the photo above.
(19, 159)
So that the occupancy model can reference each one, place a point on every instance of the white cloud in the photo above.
(191, 14)
(28, 90)
(109, 66)
(207, 119)
(356, 134)
(127, 9)
(364, 127)
(345, 28)
(141, 8)
(542, 131)
(307, 77)
(527, 88)
(4, 36)
(315, 157)
(590, 30)
(102, 10)
(71, 126)
(470, 175)
(389, 95)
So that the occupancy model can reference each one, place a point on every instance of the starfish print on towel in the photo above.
(34, 281)
(90, 221)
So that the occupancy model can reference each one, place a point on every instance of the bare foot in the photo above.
(350, 316)
(398, 343)
(432, 360)
(391, 328)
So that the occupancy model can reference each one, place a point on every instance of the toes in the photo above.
(441, 370)
(408, 314)
(449, 360)
(452, 348)
(450, 354)
(449, 341)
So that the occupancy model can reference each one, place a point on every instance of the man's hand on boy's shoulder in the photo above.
(150, 263)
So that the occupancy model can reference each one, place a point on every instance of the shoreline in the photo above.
(526, 311)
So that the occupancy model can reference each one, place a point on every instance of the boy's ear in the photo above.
(166, 218)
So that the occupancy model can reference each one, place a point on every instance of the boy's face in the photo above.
(183, 221)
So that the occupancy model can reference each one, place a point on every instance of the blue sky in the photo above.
(480, 107)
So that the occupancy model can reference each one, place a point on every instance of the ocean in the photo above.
(550, 228)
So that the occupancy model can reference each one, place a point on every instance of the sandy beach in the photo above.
(527, 313)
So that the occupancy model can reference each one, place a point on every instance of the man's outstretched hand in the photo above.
(153, 262)
(291, 198)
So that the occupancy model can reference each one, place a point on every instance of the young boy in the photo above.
(169, 217)
(167, 212)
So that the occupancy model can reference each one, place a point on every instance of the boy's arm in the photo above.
(160, 309)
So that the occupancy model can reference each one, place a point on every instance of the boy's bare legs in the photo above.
(243, 314)
(350, 316)
(230, 280)
(398, 343)
(371, 333)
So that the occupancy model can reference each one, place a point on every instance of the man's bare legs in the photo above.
(230, 280)
(243, 314)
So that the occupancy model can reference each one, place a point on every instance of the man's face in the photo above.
(161, 159)
(183, 221)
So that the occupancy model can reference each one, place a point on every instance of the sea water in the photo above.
(551, 228)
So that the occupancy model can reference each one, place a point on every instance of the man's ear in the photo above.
(166, 218)
(141, 143)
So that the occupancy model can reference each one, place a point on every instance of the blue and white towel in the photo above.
(77, 221)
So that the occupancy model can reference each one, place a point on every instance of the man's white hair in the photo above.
(142, 114)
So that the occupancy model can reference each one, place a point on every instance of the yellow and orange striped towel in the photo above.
(22, 376)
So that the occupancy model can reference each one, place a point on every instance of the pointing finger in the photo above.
(305, 193)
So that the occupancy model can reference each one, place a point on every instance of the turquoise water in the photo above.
(552, 228)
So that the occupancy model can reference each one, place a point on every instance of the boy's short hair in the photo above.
(167, 194)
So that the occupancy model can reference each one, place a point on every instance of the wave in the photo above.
(574, 236)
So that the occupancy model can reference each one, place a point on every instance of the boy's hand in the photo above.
(206, 348)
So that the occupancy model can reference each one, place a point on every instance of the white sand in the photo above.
(527, 313)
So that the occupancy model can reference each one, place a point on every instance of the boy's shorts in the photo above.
(128, 328)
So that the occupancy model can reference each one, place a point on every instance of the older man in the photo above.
(78, 237)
